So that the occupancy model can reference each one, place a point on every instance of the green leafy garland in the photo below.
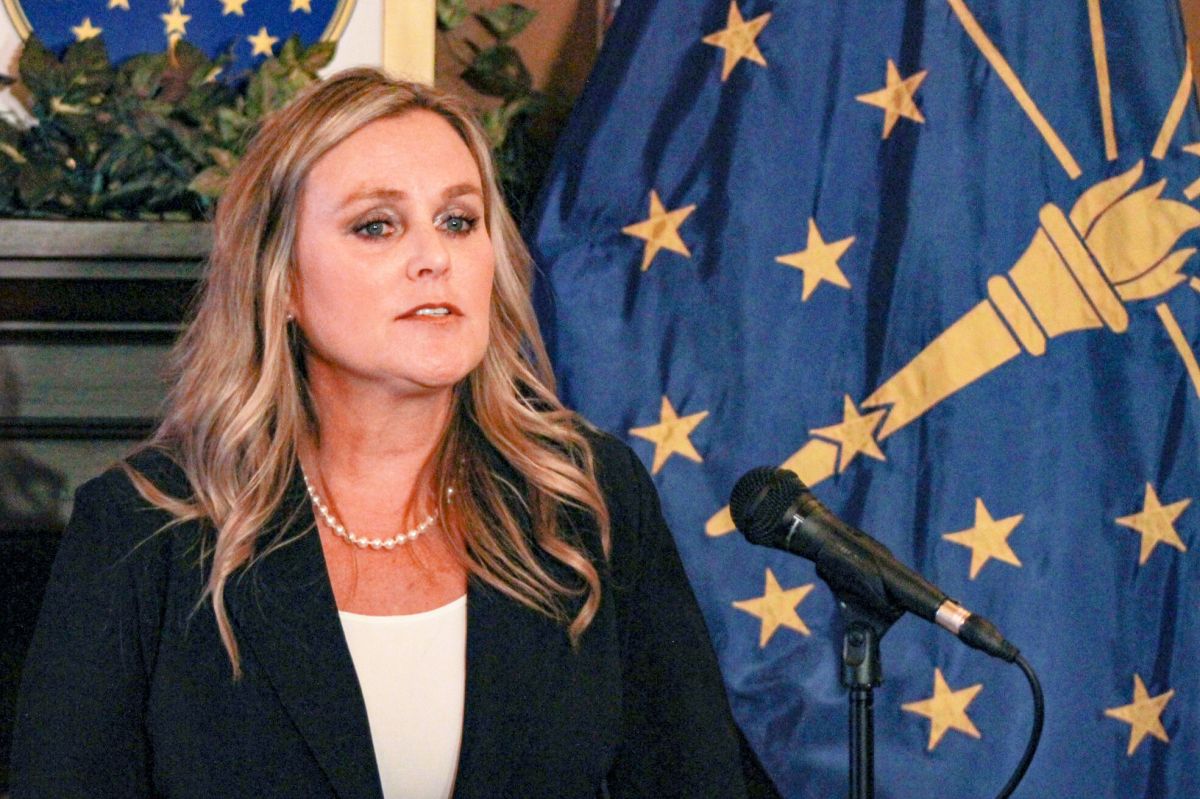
(157, 136)
(153, 138)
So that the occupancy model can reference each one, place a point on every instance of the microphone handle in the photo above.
(859, 564)
(859, 567)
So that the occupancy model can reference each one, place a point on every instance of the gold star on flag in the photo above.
(85, 30)
(776, 608)
(946, 709)
(819, 261)
(262, 42)
(661, 230)
(737, 39)
(1156, 523)
(856, 434)
(670, 435)
(1143, 715)
(176, 21)
(988, 538)
(233, 7)
(896, 98)
(302, 5)
(121, 4)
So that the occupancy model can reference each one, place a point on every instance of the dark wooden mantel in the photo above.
(88, 310)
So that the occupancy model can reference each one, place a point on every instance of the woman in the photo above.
(368, 553)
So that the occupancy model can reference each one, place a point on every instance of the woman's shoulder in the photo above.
(628, 490)
(618, 469)
(113, 502)
(609, 452)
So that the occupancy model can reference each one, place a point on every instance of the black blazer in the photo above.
(127, 691)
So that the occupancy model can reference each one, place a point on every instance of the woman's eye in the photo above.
(458, 224)
(376, 228)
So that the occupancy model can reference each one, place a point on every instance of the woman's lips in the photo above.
(431, 311)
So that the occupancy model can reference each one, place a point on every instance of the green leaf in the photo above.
(88, 56)
(126, 195)
(210, 183)
(141, 74)
(38, 182)
(222, 158)
(506, 21)
(191, 59)
(499, 72)
(452, 13)
(497, 121)
(40, 70)
(318, 56)
(290, 52)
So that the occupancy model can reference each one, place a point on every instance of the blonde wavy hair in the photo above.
(239, 403)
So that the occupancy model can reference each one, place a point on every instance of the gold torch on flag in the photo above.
(1077, 273)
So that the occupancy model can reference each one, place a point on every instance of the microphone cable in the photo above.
(1035, 735)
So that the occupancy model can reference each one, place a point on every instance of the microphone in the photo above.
(772, 508)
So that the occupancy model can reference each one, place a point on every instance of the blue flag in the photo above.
(936, 258)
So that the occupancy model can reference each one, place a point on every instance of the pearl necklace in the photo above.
(340, 530)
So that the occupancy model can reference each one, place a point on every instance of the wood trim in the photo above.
(409, 32)
(87, 240)
(82, 428)
(1190, 11)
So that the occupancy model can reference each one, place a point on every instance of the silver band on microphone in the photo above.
(951, 616)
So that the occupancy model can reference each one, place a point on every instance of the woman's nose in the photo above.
(429, 256)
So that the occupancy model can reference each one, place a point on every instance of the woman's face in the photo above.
(393, 261)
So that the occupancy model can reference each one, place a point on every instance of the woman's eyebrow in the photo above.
(459, 189)
(373, 193)
(380, 193)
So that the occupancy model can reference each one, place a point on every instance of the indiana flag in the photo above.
(936, 258)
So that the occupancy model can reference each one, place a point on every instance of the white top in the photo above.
(412, 670)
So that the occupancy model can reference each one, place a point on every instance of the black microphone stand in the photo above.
(862, 671)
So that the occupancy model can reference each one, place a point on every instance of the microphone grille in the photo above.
(760, 499)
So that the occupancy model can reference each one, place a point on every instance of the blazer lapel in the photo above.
(286, 616)
(513, 670)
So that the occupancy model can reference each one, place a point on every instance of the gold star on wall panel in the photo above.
(776, 608)
(946, 709)
(660, 230)
(737, 39)
(1143, 715)
(896, 98)
(819, 261)
(176, 22)
(1156, 523)
(85, 30)
(233, 7)
(671, 435)
(988, 538)
(262, 42)
(855, 434)
(121, 4)
(301, 5)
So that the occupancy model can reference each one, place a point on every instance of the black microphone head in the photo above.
(759, 501)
